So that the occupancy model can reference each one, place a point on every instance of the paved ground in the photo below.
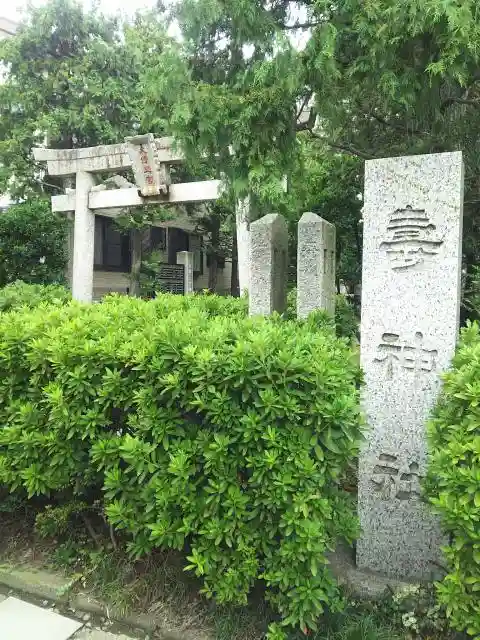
(21, 620)
(97, 634)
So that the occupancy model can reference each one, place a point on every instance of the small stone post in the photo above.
(316, 255)
(186, 258)
(268, 265)
(83, 240)
(410, 316)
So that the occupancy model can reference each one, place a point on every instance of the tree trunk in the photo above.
(213, 273)
(234, 283)
(215, 241)
(137, 236)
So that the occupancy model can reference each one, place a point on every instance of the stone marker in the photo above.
(315, 265)
(186, 258)
(268, 265)
(410, 316)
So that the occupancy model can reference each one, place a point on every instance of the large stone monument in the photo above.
(316, 253)
(268, 265)
(410, 317)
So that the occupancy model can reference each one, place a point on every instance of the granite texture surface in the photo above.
(242, 215)
(268, 265)
(409, 328)
(316, 254)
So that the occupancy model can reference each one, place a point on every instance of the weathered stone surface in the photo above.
(410, 314)
(268, 265)
(85, 602)
(36, 582)
(106, 200)
(151, 176)
(363, 585)
(83, 240)
(316, 253)
(104, 158)
(186, 258)
(97, 634)
(114, 182)
(243, 243)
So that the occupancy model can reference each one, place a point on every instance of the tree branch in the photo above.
(344, 147)
(309, 124)
(300, 25)
(397, 127)
(52, 186)
(112, 538)
(350, 149)
(91, 530)
(304, 104)
(449, 101)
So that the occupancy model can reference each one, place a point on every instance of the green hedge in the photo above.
(20, 294)
(345, 320)
(221, 435)
(453, 483)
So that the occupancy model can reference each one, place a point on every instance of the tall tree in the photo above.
(385, 77)
(72, 79)
(231, 88)
(330, 184)
(385, 74)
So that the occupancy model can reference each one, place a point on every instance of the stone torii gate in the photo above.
(150, 159)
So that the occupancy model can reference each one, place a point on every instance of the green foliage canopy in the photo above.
(32, 244)
(383, 78)
(73, 81)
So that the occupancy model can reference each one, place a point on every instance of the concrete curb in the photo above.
(45, 585)
(39, 584)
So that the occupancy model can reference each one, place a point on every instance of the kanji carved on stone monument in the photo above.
(396, 479)
(407, 355)
(411, 238)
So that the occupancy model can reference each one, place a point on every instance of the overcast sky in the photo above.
(12, 8)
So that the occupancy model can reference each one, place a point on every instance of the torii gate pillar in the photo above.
(83, 239)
